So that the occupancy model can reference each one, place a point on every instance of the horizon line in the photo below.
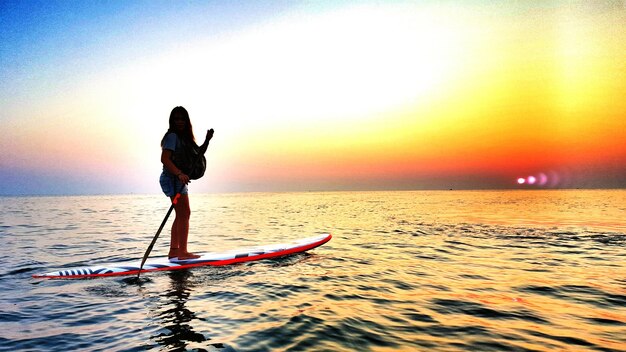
(8, 195)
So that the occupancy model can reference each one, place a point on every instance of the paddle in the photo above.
(174, 202)
(145, 256)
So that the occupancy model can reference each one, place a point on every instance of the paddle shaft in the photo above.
(154, 239)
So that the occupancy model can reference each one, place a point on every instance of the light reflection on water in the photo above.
(449, 271)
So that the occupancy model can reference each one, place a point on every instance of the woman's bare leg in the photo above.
(183, 213)
(175, 236)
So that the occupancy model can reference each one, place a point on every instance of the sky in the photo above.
(314, 96)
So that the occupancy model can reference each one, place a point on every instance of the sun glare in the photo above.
(347, 64)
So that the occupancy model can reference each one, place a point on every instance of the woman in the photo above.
(177, 140)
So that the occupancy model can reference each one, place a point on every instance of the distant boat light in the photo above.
(521, 180)
(531, 180)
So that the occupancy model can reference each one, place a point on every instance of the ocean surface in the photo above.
(405, 271)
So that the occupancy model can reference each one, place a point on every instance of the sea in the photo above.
(527, 270)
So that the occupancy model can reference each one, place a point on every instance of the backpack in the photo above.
(188, 158)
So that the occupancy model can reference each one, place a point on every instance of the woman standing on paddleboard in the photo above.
(182, 160)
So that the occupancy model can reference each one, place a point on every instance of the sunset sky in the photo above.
(314, 95)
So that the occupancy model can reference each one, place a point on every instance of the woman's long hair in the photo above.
(187, 134)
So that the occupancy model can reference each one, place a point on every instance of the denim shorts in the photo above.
(170, 184)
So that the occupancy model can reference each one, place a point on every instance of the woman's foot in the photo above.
(188, 255)
(173, 253)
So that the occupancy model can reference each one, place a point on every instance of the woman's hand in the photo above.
(205, 145)
(183, 178)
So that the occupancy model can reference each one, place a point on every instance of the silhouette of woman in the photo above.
(173, 180)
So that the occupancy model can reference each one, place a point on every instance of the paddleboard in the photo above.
(207, 259)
